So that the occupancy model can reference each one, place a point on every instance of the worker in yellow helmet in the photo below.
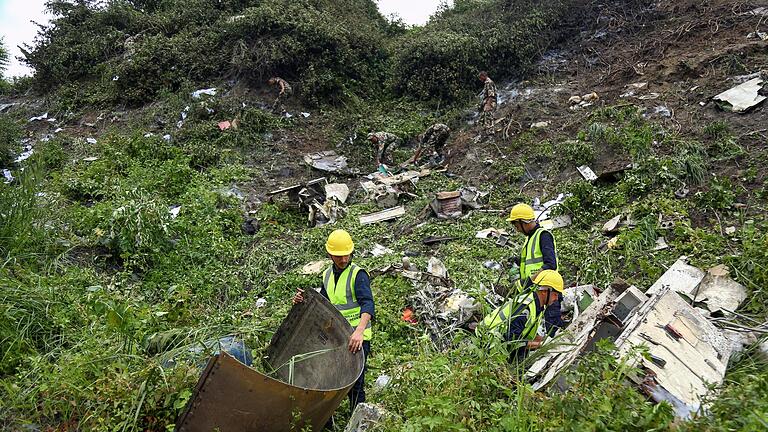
(519, 319)
(538, 253)
(348, 288)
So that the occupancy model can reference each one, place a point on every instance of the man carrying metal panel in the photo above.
(348, 288)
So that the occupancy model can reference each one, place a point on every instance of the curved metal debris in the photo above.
(313, 372)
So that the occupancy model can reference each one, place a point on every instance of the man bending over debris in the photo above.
(384, 143)
(538, 254)
(348, 288)
(523, 315)
(285, 92)
(433, 139)
(488, 103)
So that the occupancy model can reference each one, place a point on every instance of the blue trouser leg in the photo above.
(357, 393)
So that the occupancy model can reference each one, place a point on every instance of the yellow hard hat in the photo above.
(521, 212)
(339, 243)
(550, 279)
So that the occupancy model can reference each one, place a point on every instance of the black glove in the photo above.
(513, 261)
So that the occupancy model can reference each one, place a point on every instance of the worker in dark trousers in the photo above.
(348, 288)
(537, 254)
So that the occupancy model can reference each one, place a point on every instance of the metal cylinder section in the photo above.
(313, 372)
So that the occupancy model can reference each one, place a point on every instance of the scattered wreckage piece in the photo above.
(587, 173)
(312, 373)
(741, 98)
(431, 240)
(542, 211)
(491, 233)
(436, 268)
(719, 292)
(386, 190)
(322, 201)
(380, 250)
(329, 161)
(384, 215)
(365, 417)
(447, 205)
(570, 344)
(451, 204)
(681, 277)
(688, 353)
(315, 267)
(557, 222)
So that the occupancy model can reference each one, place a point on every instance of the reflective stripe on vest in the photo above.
(344, 299)
(531, 257)
(505, 313)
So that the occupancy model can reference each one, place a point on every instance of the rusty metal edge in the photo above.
(200, 383)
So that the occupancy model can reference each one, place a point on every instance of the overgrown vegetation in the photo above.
(123, 262)
(336, 52)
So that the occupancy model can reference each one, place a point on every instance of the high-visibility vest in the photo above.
(342, 296)
(531, 258)
(521, 305)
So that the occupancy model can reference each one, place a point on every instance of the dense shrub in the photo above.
(129, 51)
(441, 60)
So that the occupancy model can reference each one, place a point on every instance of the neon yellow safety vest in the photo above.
(506, 314)
(531, 258)
(342, 296)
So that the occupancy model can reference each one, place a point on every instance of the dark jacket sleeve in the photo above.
(363, 293)
(553, 318)
(547, 245)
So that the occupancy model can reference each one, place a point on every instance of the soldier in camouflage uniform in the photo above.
(384, 144)
(433, 139)
(285, 92)
(489, 102)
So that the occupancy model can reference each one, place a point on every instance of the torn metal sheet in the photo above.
(557, 222)
(312, 373)
(7, 175)
(337, 191)
(578, 299)
(692, 362)
(612, 225)
(542, 210)
(587, 173)
(365, 417)
(661, 244)
(436, 268)
(473, 198)
(719, 291)
(328, 161)
(681, 277)
(197, 94)
(383, 215)
(743, 97)
(379, 250)
(315, 267)
(571, 342)
(490, 233)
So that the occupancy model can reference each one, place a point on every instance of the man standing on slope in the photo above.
(285, 91)
(348, 288)
(538, 254)
(518, 321)
(488, 103)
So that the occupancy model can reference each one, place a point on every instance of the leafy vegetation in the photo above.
(123, 262)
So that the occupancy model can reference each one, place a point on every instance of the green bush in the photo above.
(134, 226)
(10, 132)
(441, 60)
